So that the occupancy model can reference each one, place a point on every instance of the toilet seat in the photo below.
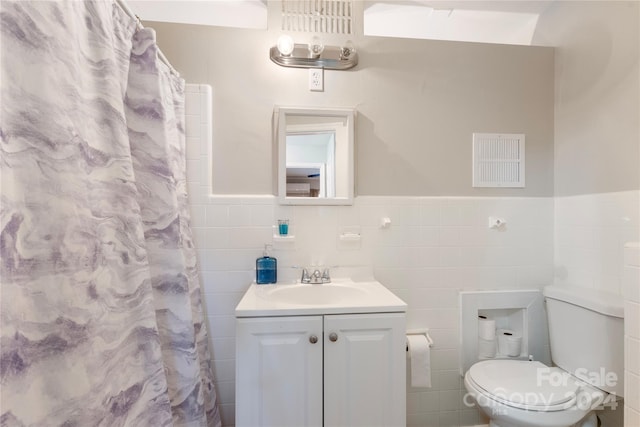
(526, 385)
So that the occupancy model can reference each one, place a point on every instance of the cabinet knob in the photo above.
(333, 337)
(313, 339)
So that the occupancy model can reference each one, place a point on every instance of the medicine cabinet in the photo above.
(315, 155)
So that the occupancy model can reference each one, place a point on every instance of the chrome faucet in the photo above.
(316, 277)
(305, 276)
(326, 277)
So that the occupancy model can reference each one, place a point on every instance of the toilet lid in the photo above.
(526, 385)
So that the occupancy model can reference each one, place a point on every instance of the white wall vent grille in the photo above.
(498, 160)
(318, 16)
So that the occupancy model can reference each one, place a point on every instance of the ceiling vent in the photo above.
(498, 160)
(318, 16)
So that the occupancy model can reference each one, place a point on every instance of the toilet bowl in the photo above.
(586, 336)
(516, 393)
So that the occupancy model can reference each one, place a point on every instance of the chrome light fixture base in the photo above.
(331, 58)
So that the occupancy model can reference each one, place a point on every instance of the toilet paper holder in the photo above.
(424, 332)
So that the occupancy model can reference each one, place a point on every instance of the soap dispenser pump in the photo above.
(266, 268)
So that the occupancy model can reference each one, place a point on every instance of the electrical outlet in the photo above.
(316, 79)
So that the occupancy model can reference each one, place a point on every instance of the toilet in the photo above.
(586, 332)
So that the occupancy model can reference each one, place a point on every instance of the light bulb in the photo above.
(347, 50)
(315, 47)
(285, 45)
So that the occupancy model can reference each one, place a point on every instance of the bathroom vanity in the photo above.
(320, 355)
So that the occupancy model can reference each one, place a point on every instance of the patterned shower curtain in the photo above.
(101, 317)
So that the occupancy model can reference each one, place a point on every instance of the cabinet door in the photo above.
(364, 370)
(279, 372)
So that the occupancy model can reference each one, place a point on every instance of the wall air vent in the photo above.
(498, 160)
(318, 16)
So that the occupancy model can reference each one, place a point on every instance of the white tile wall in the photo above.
(435, 247)
(590, 233)
(632, 335)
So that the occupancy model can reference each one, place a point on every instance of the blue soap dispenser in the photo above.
(266, 268)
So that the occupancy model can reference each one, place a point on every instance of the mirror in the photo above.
(315, 156)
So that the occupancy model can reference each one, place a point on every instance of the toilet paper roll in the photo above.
(486, 348)
(502, 340)
(509, 343)
(420, 360)
(486, 328)
(514, 346)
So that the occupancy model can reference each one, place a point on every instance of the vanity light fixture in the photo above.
(286, 53)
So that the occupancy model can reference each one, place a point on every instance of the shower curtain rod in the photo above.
(123, 5)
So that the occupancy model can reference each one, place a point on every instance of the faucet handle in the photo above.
(326, 276)
(305, 276)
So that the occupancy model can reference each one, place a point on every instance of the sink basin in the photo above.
(306, 294)
(342, 296)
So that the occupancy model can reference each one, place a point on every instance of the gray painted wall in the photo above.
(597, 114)
(418, 103)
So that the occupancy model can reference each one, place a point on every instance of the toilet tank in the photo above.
(586, 333)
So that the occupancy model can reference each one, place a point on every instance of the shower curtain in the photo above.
(101, 317)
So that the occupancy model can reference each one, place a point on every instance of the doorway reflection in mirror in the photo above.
(311, 164)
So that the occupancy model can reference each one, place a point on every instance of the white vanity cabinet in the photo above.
(364, 370)
(279, 371)
(321, 370)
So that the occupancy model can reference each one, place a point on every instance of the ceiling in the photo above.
(505, 22)
(221, 13)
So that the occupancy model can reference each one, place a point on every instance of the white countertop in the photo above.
(372, 297)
